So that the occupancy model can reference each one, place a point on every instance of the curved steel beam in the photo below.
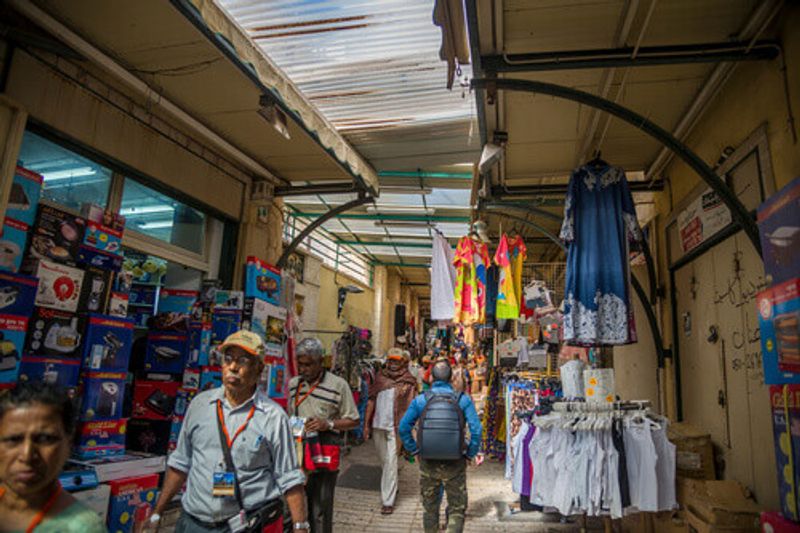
(534, 225)
(738, 211)
(524, 206)
(361, 200)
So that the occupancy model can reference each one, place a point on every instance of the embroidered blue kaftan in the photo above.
(599, 223)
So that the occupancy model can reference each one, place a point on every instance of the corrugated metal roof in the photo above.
(364, 63)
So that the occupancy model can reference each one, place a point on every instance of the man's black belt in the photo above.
(270, 512)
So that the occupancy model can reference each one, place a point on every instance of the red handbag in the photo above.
(319, 456)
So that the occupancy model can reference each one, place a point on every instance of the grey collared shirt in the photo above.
(263, 454)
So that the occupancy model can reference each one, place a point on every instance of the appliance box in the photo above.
(59, 286)
(23, 199)
(103, 238)
(132, 502)
(175, 432)
(62, 371)
(785, 400)
(779, 322)
(100, 215)
(775, 523)
(191, 379)
(779, 226)
(77, 477)
(96, 290)
(154, 400)
(277, 380)
(123, 466)
(183, 399)
(262, 280)
(13, 240)
(101, 438)
(224, 299)
(177, 301)
(103, 395)
(256, 315)
(54, 333)
(88, 256)
(56, 236)
(107, 343)
(149, 436)
(17, 294)
(96, 499)
(166, 352)
(118, 305)
(210, 378)
(199, 343)
(224, 322)
(12, 341)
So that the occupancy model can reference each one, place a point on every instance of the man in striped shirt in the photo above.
(326, 403)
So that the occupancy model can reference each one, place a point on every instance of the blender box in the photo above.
(149, 436)
(132, 502)
(96, 290)
(13, 239)
(107, 343)
(154, 400)
(23, 198)
(199, 343)
(101, 438)
(166, 352)
(17, 293)
(191, 379)
(55, 333)
(785, 401)
(88, 256)
(210, 378)
(224, 322)
(56, 236)
(779, 322)
(12, 340)
(103, 395)
(177, 301)
(63, 372)
(59, 286)
(118, 304)
(779, 228)
(103, 238)
(262, 280)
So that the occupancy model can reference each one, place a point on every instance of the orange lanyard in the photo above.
(221, 417)
(51, 501)
(298, 401)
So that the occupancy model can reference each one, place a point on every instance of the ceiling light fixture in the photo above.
(71, 173)
(270, 111)
(146, 210)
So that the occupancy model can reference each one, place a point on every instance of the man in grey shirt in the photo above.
(260, 440)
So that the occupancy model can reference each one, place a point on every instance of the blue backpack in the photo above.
(440, 434)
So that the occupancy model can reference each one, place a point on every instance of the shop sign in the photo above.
(706, 216)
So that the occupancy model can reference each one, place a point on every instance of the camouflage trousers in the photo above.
(452, 477)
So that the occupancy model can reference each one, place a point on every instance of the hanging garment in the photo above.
(491, 294)
(482, 263)
(599, 224)
(572, 378)
(518, 252)
(520, 451)
(470, 262)
(641, 459)
(665, 469)
(507, 303)
(443, 279)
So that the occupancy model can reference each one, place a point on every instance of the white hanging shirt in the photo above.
(443, 279)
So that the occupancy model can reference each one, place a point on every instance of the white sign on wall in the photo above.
(702, 219)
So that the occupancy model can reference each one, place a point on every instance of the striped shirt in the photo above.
(330, 400)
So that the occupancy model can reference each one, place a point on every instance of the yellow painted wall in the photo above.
(358, 308)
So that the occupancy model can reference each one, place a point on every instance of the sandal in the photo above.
(387, 509)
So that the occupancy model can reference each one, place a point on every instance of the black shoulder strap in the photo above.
(229, 466)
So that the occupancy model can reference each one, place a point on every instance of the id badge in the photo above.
(297, 424)
(238, 522)
(223, 485)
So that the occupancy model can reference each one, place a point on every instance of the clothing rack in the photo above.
(592, 407)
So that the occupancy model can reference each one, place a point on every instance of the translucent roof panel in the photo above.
(365, 64)
(437, 199)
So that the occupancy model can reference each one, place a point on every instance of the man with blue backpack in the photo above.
(441, 416)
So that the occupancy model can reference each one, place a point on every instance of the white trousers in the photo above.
(386, 444)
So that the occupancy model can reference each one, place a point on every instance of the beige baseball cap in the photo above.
(246, 340)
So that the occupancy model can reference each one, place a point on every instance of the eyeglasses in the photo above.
(241, 360)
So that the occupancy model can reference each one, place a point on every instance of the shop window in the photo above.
(70, 180)
(157, 215)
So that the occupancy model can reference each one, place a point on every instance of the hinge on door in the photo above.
(721, 400)
(737, 264)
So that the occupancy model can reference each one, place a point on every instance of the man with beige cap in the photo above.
(235, 453)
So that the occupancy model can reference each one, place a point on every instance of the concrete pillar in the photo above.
(261, 238)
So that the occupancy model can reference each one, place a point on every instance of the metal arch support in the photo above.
(361, 200)
(523, 207)
(738, 211)
(637, 287)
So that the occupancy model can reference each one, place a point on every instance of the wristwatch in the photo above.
(330, 425)
(302, 525)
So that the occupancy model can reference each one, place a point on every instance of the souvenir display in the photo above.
(107, 343)
(101, 438)
(96, 290)
(23, 199)
(148, 435)
(55, 333)
(17, 294)
(779, 227)
(154, 399)
(59, 286)
(56, 236)
(779, 322)
(60, 371)
(13, 239)
(262, 280)
(132, 502)
(12, 340)
(103, 394)
(166, 352)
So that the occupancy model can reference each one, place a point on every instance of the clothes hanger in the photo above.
(597, 161)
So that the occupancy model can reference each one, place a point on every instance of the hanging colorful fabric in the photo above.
(507, 303)
(481, 259)
(466, 292)
(518, 252)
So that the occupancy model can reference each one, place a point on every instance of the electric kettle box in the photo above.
(59, 286)
(23, 199)
(779, 227)
(101, 438)
(96, 290)
(56, 235)
(12, 340)
(17, 293)
(103, 395)
(262, 280)
(779, 323)
(166, 352)
(132, 502)
(13, 239)
(154, 400)
(107, 343)
(54, 333)
(60, 371)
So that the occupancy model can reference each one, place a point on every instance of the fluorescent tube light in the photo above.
(71, 173)
(156, 225)
(146, 210)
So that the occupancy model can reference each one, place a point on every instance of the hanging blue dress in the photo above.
(599, 224)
